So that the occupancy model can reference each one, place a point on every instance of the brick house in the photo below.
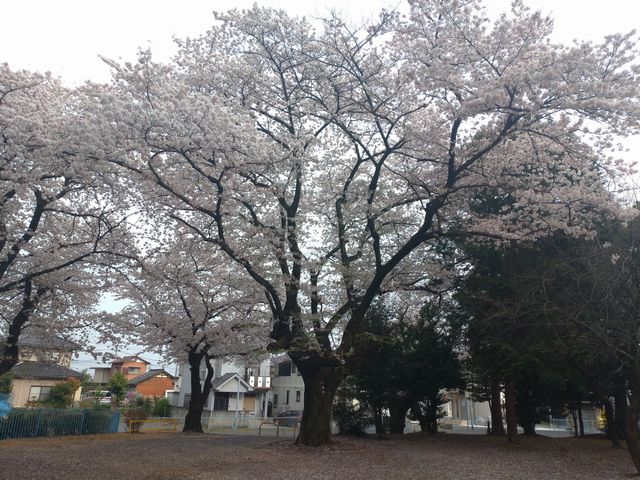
(153, 383)
(130, 366)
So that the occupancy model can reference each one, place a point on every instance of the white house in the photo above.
(272, 387)
(234, 385)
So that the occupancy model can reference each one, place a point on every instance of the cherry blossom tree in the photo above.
(328, 161)
(192, 306)
(56, 226)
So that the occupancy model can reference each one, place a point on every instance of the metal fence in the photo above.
(27, 423)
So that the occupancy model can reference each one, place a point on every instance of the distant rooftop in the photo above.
(148, 375)
(130, 358)
(41, 341)
(47, 370)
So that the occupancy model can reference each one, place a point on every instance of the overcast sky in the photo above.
(66, 36)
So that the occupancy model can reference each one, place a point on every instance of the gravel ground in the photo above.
(178, 456)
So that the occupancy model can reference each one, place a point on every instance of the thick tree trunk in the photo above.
(620, 399)
(526, 410)
(398, 414)
(612, 431)
(633, 416)
(510, 408)
(432, 413)
(199, 392)
(320, 385)
(378, 421)
(574, 417)
(416, 411)
(10, 355)
(495, 404)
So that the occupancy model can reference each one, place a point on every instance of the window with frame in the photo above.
(298, 395)
(39, 393)
(275, 399)
(287, 397)
(134, 370)
(284, 369)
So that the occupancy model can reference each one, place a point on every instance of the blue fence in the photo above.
(27, 423)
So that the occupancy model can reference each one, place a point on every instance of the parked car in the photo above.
(103, 398)
(289, 418)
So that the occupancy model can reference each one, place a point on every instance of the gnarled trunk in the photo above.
(10, 356)
(398, 414)
(432, 413)
(497, 427)
(620, 402)
(199, 392)
(609, 415)
(416, 412)
(632, 417)
(320, 385)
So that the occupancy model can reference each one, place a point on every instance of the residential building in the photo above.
(153, 383)
(52, 349)
(32, 381)
(233, 384)
(268, 389)
(287, 391)
(460, 409)
(130, 366)
(43, 363)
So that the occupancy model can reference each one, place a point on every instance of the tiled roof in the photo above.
(131, 358)
(48, 342)
(148, 375)
(43, 370)
(217, 382)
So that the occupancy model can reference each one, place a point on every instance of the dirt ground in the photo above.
(177, 456)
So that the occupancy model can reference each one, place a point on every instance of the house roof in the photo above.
(47, 342)
(217, 383)
(148, 375)
(130, 358)
(43, 370)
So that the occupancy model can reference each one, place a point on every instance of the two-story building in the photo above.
(234, 386)
(266, 389)
(142, 380)
(44, 362)
(287, 391)
(130, 366)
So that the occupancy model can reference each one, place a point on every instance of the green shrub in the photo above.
(351, 420)
(161, 407)
(62, 394)
(6, 383)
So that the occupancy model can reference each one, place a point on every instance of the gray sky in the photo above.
(66, 36)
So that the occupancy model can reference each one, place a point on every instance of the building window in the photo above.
(39, 394)
(284, 369)
(134, 370)
(297, 396)
(293, 368)
(275, 399)
(287, 402)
